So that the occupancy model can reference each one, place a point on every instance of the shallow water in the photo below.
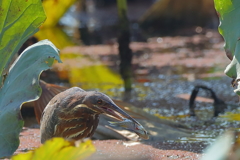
(159, 97)
(157, 93)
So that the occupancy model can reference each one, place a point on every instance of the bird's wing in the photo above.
(48, 92)
(47, 128)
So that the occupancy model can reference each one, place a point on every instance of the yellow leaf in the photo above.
(60, 149)
(55, 35)
(87, 72)
(170, 117)
(55, 9)
(231, 116)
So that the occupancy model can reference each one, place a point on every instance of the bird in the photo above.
(74, 114)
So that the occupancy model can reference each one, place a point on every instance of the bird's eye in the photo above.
(137, 128)
(99, 101)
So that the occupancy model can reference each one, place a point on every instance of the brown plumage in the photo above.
(74, 114)
(48, 92)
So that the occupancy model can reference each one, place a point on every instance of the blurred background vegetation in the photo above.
(96, 22)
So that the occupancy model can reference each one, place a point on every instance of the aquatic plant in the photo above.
(227, 146)
(20, 81)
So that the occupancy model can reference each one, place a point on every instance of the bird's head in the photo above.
(102, 104)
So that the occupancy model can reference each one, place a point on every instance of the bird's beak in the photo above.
(115, 111)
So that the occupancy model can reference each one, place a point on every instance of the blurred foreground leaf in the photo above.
(19, 19)
(229, 28)
(220, 148)
(59, 149)
(22, 85)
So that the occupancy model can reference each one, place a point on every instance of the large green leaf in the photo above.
(229, 12)
(19, 19)
(21, 85)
